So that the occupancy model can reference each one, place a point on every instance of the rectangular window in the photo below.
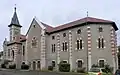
(80, 44)
(102, 43)
(23, 50)
(65, 46)
(77, 44)
(99, 44)
(53, 37)
(54, 47)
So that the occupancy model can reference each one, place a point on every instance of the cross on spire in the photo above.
(15, 7)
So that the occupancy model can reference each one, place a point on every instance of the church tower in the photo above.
(14, 27)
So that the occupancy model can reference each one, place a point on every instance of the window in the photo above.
(8, 52)
(64, 34)
(38, 64)
(64, 61)
(23, 50)
(12, 54)
(34, 42)
(34, 26)
(78, 44)
(53, 37)
(79, 63)
(101, 63)
(53, 63)
(64, 46)
(100, 29)
(100, 43)
(23, 62)
(79, 31)
(53, 47)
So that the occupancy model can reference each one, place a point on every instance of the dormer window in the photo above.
(79, 31)
(64, 34)
(100, 29)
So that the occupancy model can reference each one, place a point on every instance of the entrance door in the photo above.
(34, 65)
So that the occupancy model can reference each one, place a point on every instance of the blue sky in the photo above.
(55, 12)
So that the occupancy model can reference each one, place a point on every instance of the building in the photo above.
(1, 58)
(80, 43)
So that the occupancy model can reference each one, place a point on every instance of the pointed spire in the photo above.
(15, 20)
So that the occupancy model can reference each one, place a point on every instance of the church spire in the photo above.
(15, 20)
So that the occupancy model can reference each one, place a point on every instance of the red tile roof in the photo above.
(80, 21)
(18, 39)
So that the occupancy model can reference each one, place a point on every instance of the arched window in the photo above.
(53, 63)
(13, 54)
(23, 62)
(38, 64)
(101, 63)
(79, 63)
(100, 43)
(34, 42)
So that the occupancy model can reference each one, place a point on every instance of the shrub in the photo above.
(108, 68)
(3, 66)
(81, 70)
(12, 66)
(64, 67)
(50, 68)
(95, 66)
(24, 66)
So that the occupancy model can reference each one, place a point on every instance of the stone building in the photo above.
(80, 43)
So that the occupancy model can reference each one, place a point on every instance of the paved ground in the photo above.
(14, 72)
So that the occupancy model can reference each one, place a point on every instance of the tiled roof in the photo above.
(18, 39)
(81, 21)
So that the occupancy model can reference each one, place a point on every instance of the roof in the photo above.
(43, 25)
(15, 20)
(80, 22)
(83, 21)
(18, 39)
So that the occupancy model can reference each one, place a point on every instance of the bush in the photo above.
(108, 68)
(95, 66)
(12, 66)
(3, 66)
(64, 67)
(24, 66)
(81, 70)
(50, 68)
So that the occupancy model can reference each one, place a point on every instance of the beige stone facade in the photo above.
(80, 43)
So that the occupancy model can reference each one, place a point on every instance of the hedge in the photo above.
(64, 67)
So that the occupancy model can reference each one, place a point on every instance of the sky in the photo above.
(56, 12)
